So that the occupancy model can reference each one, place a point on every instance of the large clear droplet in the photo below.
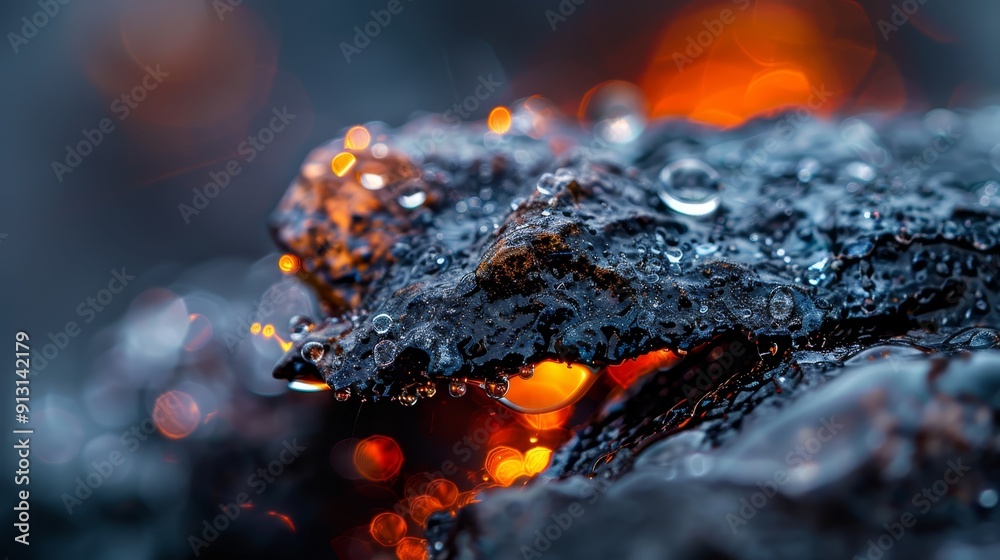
(457, 388)
(691, 187)
(384, 353)
(382, 323)
(412, 196)
(497, 389)
(312, 352)
(408, 398)
(342, 394)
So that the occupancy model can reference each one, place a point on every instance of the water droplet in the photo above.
(674, 255)
(372, 181)
(299, 326)
(497, 389)
(705, 249)
(427, 391)
(988, 498)
(860, 171)
(815, 273)
(384, 353)
(312, 352)
(691, 187)
(412, 197)
(617, 109)
(781, 303)
(457, 388)
(382, 323)
(342, 394)
(807, 169)
(407, 398)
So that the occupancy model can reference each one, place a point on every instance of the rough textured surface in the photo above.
(828, 240)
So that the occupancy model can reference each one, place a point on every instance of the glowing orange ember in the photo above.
(552, 386)
(342, 163)
(308, 385)
(176, 414)
(289, 264)
(444, 491)
(537, 459)
(411, 548)
(422, 506)
(357, 138)
(546, 421)
(255, 329)
(378, 458)
(283, 517)
(723, 63)
(268, 331)
(505, 465)
(628, 371)
(387, 528)
(499, 120)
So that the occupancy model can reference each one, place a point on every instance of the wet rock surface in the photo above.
(832, 288)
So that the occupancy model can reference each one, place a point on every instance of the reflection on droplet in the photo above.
(457, 388)
(988, 498)
(617, 111)
(499, 120)
(342, 163)
(497, 389)
(299, 326)
(312, 352)
(691, 187)
(384, 353)
(357, 138)
(412, 198)
(342, 394)
(781, 303)
(378, 458)
(382, 323)
(371, 181)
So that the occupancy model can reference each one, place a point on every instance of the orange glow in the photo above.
(444, 491)
(283, 517)
(308, 385)
(720, 64)
(176, 414)
(537, 459)
(286, 345)
(268, 331)
(422, 506)
(505, 465)
(342, 163)
(357, 138)
(499, 120)
(628, 371)
(387, 528)
(411, 548)
(552, 386)
(289, 264)
(378, 458)
(546, 421)
(255, 329)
